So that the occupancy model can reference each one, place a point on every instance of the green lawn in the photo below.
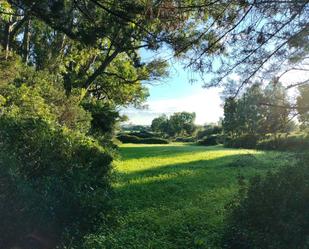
(174, 196)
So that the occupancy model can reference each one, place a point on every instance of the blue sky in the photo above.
(176, 94)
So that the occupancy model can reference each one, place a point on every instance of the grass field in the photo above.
(174, 196)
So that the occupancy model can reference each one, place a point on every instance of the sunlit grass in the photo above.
(174, 196)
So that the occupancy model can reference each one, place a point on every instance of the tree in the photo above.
(262, 39)
(302, 105)
(85, 38)
(229, 123)
(277, 108)
(257, 112)
(178, 124)
(182, 123)
(160, 124)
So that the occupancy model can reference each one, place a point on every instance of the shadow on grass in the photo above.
(183, 183)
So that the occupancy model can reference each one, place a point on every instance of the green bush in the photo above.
(244, 141)
(209, 141)
(52, 180)
(154, 140)
(124, 138)
(143, 134)
(297, 143)
(185, 139)
(272, 213)
(208, 131)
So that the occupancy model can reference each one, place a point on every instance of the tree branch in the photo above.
(101, 68)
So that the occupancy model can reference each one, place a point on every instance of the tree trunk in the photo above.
(7, 38)
(26, 42)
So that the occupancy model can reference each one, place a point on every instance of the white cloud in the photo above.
(206, 103)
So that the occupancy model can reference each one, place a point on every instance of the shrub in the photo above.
(154, 140)
(244, 141)
(55, 181)
(136, 140)
(143, 134)
(185, 139)
(124, 138)
(272, 213)
(297, 143)
(209, 141)
(208, 131)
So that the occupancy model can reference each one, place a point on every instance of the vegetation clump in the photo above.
(209, 140)
(271, 212)
(126, 138)
(297, 142)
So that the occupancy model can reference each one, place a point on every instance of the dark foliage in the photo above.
(209, 130)
(154, 140)
(53, 181)
(244, 141)
(285, 143)
(209, 141)
(124, 138)
(104, 117)
(272, 213)
(143, 134)
(185, 139)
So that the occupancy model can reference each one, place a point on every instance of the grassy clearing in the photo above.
(174, 196)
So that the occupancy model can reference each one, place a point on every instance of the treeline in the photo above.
(179, 127)
(263, 118)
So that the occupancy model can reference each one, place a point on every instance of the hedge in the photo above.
(210, 140)
(136, 140)
(284, 143)
(185, 139)
(243, 141)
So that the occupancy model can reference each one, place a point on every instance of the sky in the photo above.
(176, 94)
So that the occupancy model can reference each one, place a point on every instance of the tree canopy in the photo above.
(178, 124)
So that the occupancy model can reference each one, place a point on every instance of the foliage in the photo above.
(154, 140)
(209, 130)
(55, 180)
(274, 212)
(185, 139)
(277, 108)
(182, 123)
(244, 141)
(104, 118)
(143, 134)
(37, 93)
(95, 45)
(160, 124)
(125, 138)
(135, 128)
(248, 50)
(251, 116)
(60, 179)
(302, 105)
(285, 143)
(209, 140)
(178, 124)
